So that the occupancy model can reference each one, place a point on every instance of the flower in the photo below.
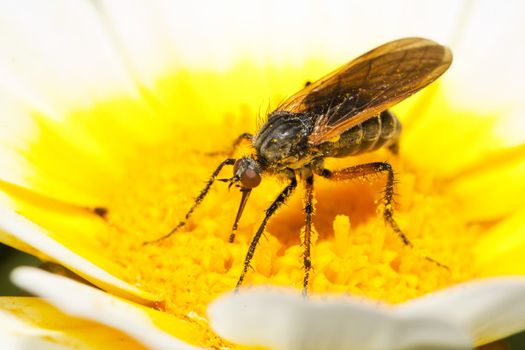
(123, 120)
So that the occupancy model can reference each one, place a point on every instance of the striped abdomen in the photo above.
(376, 132)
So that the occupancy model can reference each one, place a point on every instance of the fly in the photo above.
(343, 114)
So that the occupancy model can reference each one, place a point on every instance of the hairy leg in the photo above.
(198, 200)
(236, 143)
(307, 242)
(288, 190)
(363, 170)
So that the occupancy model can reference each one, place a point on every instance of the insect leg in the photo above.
(245, 136)
(308, 209)
(198, 200)
(288, 190)
(242, 137)
(363, 170)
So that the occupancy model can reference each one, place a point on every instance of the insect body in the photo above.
(343, 114)
(283, 142)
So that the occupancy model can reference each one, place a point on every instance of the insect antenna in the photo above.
(196, 203)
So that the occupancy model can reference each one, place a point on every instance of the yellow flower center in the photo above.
(354, 252)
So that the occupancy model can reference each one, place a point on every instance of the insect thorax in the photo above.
(282, 142)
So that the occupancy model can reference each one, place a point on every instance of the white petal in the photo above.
(56, 55)
(89, 303)
(139, 32)
(488, 69)
(36, 237)
(30, 323)
(213, 34)
(18, 335)
(284, 320)
(490, 309)
(16, 126)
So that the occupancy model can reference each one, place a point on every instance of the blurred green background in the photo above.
(10, 258)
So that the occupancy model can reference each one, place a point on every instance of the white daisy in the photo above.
(115, 105)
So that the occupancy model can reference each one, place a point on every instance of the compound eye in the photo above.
(250, 178)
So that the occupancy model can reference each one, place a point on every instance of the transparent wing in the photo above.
(369, 85)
